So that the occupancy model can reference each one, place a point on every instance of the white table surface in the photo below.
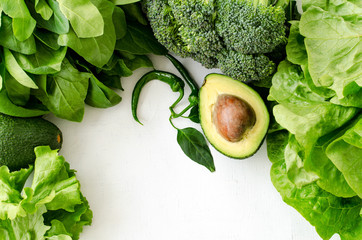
(141, 186)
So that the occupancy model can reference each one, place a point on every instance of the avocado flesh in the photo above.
(19, 137)
(216, 85)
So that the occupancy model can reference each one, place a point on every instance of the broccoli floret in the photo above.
(250, 26)
(234, 35)
(165, 27)
(186, 27)
(245, 67)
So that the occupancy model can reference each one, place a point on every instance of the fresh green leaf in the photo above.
(194, 145)
(8, 39)
(73, 222)
(301, 111)
(57, 231)
(330, 178)
(42, 7)
(295, 48)
(30, 226)
(17, 93)
(134, 13)
(99, 95)
(54, 199)
(328, 213)
(58, 23)
(16, 71)
(346, 153)
(124, 2)
(294, 161)
(44, 61)
(330, 65)
(140, 40)
(66, 92)
(96, 50)
(9, 108)
(11, 184)
(23, 24)
(84, 16)
(48, 38)
(119, 21)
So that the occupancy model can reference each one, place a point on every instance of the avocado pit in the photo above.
(232, 117)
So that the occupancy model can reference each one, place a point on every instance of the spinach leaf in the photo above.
(16, 71)
(84, 16)
(65, 92)
(119, 21)
(23, 23)
(50, 39)
(194, 145)
(9, 108)
(42, 7)
(96, 50)
(44, 61)
(8, 39)
(58, 23)
(17, 93)
(140, 40)
(124, 2)
(99, 95)
(134, 13)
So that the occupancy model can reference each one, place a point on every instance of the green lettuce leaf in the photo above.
(333, 43)
(328, 213)
(52, 208)
(346, 154)
(30, 226)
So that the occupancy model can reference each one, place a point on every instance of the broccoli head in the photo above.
(245, 67)
(234, 35)
(250, 26)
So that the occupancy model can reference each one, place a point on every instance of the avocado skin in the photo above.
(19, 137)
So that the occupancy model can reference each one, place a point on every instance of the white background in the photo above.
(141, 186)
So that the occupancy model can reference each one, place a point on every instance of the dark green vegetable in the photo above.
(176, 84)
(235, 36)
(58, 55)
(194, 96)
(19, 136)
(191, 141)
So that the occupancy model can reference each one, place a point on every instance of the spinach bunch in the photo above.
(58, 55)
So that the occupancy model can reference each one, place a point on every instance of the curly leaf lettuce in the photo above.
(316, 141)
(333, 43)
(52, 208)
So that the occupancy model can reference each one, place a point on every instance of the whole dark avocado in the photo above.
(19, 137)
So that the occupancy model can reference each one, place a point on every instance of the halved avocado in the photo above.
(233, 116)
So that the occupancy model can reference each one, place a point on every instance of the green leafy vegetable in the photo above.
(65, 92)
(60, 54)
(316, 143)
(84, 16)
(52, 207)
